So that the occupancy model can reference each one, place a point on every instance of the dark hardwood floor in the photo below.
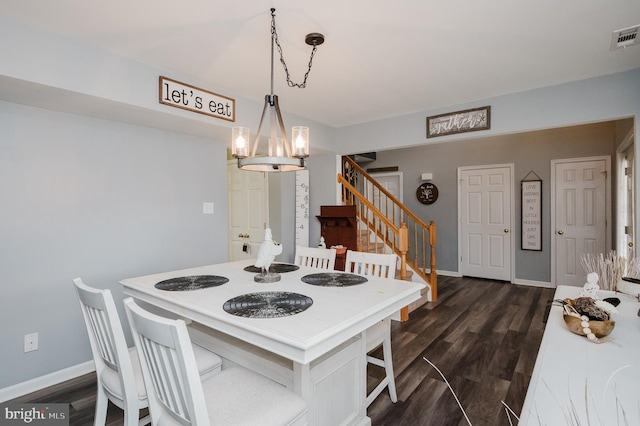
(483, 335)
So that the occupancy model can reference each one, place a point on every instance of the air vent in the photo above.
(624, 38)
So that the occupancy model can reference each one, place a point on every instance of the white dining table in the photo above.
(319, 353)
(576, 381)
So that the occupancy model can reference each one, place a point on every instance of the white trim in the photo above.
(625, 145)
(454, 274)
(338, 184)
(38, 383)
(532, 283)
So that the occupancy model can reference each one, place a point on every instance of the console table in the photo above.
(569, 366)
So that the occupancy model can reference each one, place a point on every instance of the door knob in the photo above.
(560, 232)
(630, 244)
(506, 230)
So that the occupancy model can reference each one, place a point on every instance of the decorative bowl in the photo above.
(599, 328)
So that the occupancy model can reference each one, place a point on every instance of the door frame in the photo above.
(552, 231)
(626, 145)
(512, 208)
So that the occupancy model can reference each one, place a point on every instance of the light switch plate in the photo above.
(207, 208)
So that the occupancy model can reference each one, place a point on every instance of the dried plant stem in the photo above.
(610, 268)
(451, 389)
(510, 412)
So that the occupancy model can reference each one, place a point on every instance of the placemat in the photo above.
(268, 304)
(194, 282)
(334, 279)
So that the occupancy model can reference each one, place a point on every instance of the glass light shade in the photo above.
(300, 141)
(240, 137)
(276, 147)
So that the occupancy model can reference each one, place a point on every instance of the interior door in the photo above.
(248, 211)
(392, 182)
(579, 216)
(486, 215)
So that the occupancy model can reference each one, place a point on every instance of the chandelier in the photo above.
(282, 155)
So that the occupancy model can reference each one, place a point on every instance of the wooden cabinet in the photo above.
(339, 226)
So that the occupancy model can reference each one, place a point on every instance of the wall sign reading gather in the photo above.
(184, 96)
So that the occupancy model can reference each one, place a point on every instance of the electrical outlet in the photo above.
(30, 342)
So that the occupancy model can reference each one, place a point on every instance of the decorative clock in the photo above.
(427, 193)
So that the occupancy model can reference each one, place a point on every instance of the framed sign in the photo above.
(427, 193)
(531, 193)
(191, 98)
(450, 123)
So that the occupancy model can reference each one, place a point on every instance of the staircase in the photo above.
(388, 226)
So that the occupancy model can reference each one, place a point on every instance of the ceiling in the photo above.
(378, 60)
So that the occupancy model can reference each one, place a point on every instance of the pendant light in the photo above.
(282, 154)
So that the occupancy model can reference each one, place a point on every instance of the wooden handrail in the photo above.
(386, 192)
(369, 204)
(355, 182)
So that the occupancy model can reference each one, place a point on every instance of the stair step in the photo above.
(409, 275)
(373, 247)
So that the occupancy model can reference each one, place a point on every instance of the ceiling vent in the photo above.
(625, 37)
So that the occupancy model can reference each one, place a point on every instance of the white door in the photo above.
(580, 214)
(248, 211)
(392, 182)
(486, 215)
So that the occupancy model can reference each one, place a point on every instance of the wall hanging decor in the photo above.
(427, 193)
(531, 195)
(450, 123)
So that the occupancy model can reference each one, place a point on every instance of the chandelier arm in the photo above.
(282, 129)
(257, 139)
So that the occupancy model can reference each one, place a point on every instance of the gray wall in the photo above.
(100, 200)
(531, 151)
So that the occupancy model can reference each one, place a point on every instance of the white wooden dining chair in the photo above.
(236, 396)
(315, 257)
(384, 266)
(117, 366)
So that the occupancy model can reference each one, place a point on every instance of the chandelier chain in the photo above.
(274, 33)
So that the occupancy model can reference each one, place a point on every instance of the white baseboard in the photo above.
(448, 273)
(534, 283)
(38, 383)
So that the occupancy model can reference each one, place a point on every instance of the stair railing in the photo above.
(383, 214)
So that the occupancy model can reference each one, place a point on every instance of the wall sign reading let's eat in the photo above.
(184, 96)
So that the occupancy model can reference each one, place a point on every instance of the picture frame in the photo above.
(531, 197)
(468, 120)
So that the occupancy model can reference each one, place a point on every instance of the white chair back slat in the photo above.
(104, 338)
(373, 264)
(314, 257)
